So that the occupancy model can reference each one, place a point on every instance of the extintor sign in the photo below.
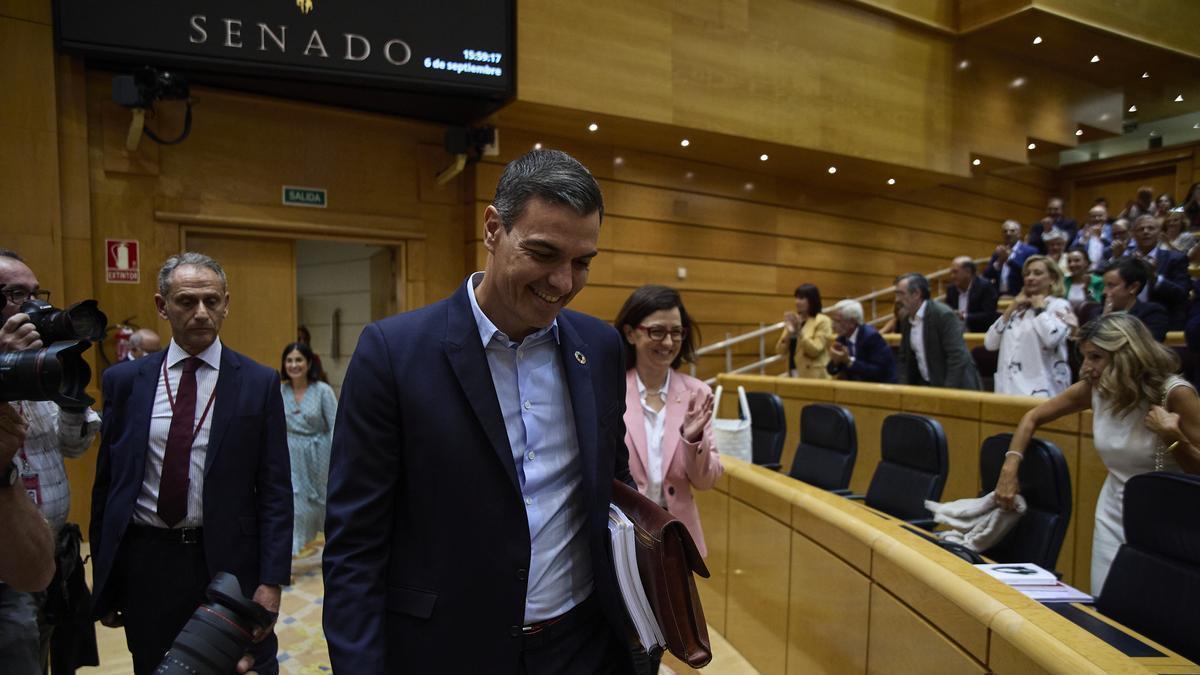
(122, 264)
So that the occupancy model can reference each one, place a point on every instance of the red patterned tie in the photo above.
(173, 488)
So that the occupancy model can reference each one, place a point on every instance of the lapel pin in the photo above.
(581, 358)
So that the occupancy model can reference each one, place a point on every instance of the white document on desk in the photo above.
(1020, 574)
(624, 547)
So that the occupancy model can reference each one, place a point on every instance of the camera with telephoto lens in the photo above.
(218, 634)
(58, 372)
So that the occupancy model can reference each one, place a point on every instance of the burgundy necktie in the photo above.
(173, 488)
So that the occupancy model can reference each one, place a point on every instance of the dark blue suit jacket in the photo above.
(428, 545)
(1171, 285)
(247, 474)
(873, 358)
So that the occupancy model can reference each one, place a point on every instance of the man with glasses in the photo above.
(51, 434)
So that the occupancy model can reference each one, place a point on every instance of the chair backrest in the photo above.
(828, 447)
(1153, 585)
(768, 426)
(1046, 486)
(913, 466)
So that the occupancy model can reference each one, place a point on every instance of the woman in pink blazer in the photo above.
(668, 415)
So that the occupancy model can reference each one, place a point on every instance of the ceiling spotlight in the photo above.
(1146, 75)
(618, 161)
(689, 175)
(1079, 132)
(832, 169)
(763, 157)
(891, 181)
(1133, 108)
(593, 127)
(1179, 98)
(537, 146)
(1196, 125)
(1105, 117)
(976, 162)
(1037, 40)
(1017, 82)
(1031, 146)
(685, 142)
(748, 187)
(964, 64)
(1153, 133)
(1095, 58)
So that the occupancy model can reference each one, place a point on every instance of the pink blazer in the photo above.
(687, 465)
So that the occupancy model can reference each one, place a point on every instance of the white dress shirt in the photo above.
(963, 298)
(656, 424)
(916, 338)
(145, 512)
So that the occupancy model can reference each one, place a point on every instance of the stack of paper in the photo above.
(624, 548)
(1036, 582)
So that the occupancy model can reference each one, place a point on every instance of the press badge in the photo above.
(29, 480)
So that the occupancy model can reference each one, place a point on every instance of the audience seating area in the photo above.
(966, 419)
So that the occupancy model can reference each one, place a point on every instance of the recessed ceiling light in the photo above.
(685, 142)
(1031, 146)
(1153, 133)
(748, 187)
(1179, 98)
(891, 181)
(689, 175)
(1017, 82)
(1105, 117)
(1037, 40)
(1133, 108)
(593, 127)
(832, 169)
(537, 146)
(1146, 75)
(618, 161)
(1196, 125)
(763, 157)
(964, 64)
(1079, 132)
(976, 162)
(1095, 58)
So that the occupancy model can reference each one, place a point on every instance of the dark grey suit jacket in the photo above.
(950, 364)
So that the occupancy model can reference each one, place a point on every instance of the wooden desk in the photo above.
(804, 581)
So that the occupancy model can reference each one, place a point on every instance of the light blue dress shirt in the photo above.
(531, 386)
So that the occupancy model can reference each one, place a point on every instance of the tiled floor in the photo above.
(302, 649)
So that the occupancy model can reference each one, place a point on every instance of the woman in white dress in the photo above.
(1032, 334)
(1144, 418)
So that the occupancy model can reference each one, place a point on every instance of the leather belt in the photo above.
(536, 634)
(176, 535)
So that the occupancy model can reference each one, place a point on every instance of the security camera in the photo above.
(140, 91)
(465, 143)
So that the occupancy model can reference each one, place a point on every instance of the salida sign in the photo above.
(364, 42)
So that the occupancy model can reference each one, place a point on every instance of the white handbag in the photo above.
(733, 437)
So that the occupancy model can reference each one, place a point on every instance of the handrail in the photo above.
(875, 319)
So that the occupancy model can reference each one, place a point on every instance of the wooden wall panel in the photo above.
(825, 625)
(901, 641)
(759, 564)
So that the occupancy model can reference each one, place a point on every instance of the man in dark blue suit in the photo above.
(1054, 218)
(473, 458)
(1170, 282)
(860, 352)
(192, 477)
(1004, 268)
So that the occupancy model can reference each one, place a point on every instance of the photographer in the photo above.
(51, 433)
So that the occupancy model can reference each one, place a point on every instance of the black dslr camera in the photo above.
(219, 632)
(58, 372)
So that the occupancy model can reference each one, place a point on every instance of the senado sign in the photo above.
(456, 47)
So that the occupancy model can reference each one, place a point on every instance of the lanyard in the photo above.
(171, 401)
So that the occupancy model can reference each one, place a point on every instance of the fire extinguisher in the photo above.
(121, 341)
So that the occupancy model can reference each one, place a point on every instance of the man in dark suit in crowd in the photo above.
(1124, 279)
(193, 476)
(1004, 269)
(1170, 281)
(473, 458)
(972, 299)
(932, 350)
(860, 353)
(1054, 218)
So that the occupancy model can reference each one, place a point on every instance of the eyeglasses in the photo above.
(659, 333)
(18, 295)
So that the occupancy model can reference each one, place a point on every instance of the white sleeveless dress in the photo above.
(1127, 448)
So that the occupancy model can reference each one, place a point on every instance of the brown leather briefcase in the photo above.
(667, 557)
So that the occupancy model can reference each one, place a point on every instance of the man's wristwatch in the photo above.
(9, 478)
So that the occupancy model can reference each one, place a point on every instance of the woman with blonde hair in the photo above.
(1031, 335)
(1145, 418)
(806, 336)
